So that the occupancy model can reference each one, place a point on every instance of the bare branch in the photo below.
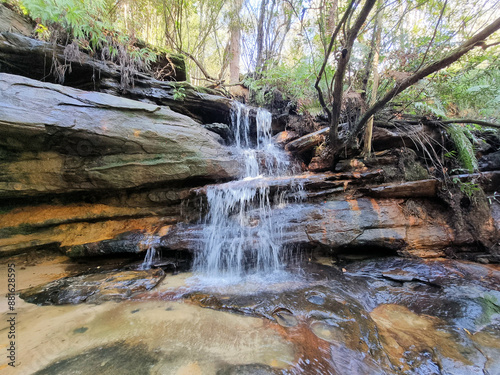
(433, 36)
(468, 45)
(327, 55)
(469, 121)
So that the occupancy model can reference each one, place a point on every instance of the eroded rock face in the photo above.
(57, 139)
(340, 225)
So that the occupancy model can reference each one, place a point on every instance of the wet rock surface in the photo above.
(115, 359)
(387, 316)
(342, 226)
(94, 288)
(379, 316)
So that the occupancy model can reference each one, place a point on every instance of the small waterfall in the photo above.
(152, 255)
(240, 235)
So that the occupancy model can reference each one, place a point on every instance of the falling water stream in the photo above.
(240, 235)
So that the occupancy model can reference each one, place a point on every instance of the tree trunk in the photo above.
(376, 48)
(332, 15)
(340, 74)
(260, 34)
(235, 54)
(234, 48)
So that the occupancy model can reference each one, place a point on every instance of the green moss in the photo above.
(77, 251)
(180, 66)
(23, 229)
(490, 306)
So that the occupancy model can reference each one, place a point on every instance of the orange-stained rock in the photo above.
(347, 224)
(284, 137)
(78, 228)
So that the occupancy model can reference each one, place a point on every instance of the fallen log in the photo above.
(308, 181)
(307, 142)
(411, 189)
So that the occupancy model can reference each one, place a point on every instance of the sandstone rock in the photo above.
(221, 129)
(59, 140)
(284, 137)
(80, 228)
(13, 22)
(345, 225)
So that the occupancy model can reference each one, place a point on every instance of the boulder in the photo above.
(221, 129)
(33, 58)
(490, 162)
(58, 139)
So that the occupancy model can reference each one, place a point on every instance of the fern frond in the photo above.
(464, 147)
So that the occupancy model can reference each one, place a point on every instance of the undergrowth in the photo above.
(463, 145)
(86, 26)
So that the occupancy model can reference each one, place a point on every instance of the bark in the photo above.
(260, 34)
(307, 142)
(375, 48)
(234, 48)
(340, 73)
(332, 15)
(411, 189)
(327, 55)
(234, 65)
(470, 121)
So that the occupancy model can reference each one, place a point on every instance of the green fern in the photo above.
(464, 147)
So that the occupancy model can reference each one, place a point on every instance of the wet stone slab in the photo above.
(94, 288)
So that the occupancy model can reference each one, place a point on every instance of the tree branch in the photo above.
(327, 55)
(433, 36)
(199, 65)
(338, 88)
(468, 45)
(468, 121)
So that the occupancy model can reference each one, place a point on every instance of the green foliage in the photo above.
(179, 93)
(472, 88)
(80, 19)
(464, 147)
(295, 82)
(86, 25)
(468, 188)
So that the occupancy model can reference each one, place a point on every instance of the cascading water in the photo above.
(152, 256)
(240, 235)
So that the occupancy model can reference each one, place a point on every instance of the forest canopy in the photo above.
(286, 46)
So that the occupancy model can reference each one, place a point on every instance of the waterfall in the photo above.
(152, 256)
(240, 235)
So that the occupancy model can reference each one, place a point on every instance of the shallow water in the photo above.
(385, 316)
